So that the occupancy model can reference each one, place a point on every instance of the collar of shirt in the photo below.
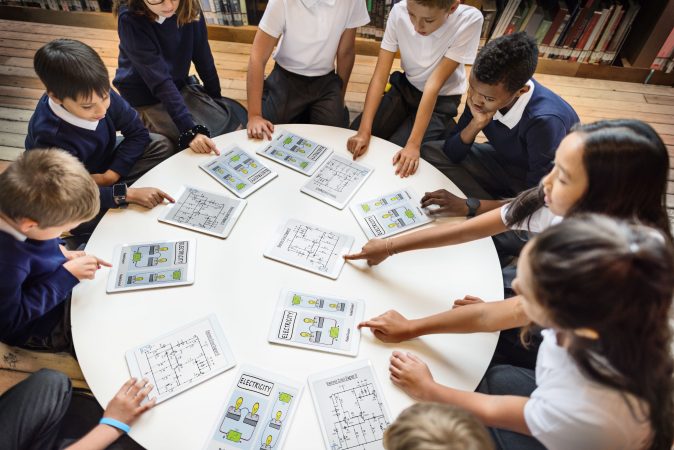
(7, 228)
(72, 119)
(514, 114)
(311, 3)
(160, 19)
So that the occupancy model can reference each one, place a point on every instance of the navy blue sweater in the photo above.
(96, 149)
(155, 59)
(532, 143)
(33, 282)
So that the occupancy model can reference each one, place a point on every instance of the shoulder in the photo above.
(545, 102)
(14, 256)
(468, 14)
(44, 125)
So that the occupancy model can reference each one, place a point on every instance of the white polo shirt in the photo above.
(457, 39)
(570, 411)
(537, 222)
(311, 30)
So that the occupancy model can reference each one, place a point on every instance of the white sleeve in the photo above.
(464, 48)
(390, 40)
(273, 20)
(538, 222)
(358, 15)
(547, 424)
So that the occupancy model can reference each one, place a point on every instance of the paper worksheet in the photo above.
(310, 247)
(147, 265)
(204, 211)
(183, 358)
(350, 406)
(296, 152)
(238, 171)
(390, 214)
(257, 413)
(317, 322)
(337, 181)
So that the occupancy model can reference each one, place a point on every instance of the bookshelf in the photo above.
(635, 51)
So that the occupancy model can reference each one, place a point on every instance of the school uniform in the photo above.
(153, 76)
(566, 408)
(35, 289)
(95, 143)
(303, 85)
(457, 39)
(521, 148)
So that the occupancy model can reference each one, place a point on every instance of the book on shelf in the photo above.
(664, 61)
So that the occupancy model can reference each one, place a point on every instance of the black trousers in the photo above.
(398, 110)
(291, 98)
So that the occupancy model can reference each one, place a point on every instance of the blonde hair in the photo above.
(51, 187)
(434, 426)
(187, 11)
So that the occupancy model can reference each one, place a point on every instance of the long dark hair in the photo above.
(627, 168)
(615, 278)
(188, 10)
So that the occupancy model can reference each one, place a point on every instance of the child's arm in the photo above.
(263, 45)
(451, 205)
(125, 407)
(410, 374)
(136, 137)
(358, 143)
(407, 159)
(474, 318)
(377, 250)
(346, 56)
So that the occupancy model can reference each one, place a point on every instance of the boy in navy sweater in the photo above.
(81, 114)
(42, 194)
(523, 121)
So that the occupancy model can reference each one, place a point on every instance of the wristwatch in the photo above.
(119, 195)
(473, 204)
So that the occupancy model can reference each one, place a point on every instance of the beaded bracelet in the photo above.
(389, 247)
(115, 424)
(187, 136)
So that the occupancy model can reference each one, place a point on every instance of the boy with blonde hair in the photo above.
(434, 426)
(42, 195)
(435, 39)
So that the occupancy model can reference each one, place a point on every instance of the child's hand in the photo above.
(358, 144)
(203, 144)
(148, 197)
(389, 327)
(374, 251)
(70, 254)
(85, 267)
(407, 160)
(449, 204)
(260, 128)
(480, 118)
(467, 300)
(411, 375)
(126, 406)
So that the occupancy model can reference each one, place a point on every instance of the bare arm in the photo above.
(346, 56)
(484, 225)
(263, 45)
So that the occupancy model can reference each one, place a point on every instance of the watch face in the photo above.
(473, 203)
(119, 190)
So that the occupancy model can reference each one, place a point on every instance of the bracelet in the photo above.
(187, 136)
(389, 247)
(115, 424)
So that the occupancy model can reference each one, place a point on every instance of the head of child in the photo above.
(75, 78)
(606, 287)
(47, 192)
(434, 426)
(185, 10)
(500, 72)
(429, 15)
(614, 167)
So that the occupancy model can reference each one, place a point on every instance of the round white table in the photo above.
(239, 285)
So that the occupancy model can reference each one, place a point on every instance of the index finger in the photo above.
(166, 196)
(102, 262)
(359, 255)
(372, 323)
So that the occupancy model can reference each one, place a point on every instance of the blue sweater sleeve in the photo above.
(454, 147)
(203, 59)
(542, 138)
(136, 136)
(145, 55)
(24, 302)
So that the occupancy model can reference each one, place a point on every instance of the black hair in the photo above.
(71, 69)
(510, 60)
(627, 167)
(617, 279)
